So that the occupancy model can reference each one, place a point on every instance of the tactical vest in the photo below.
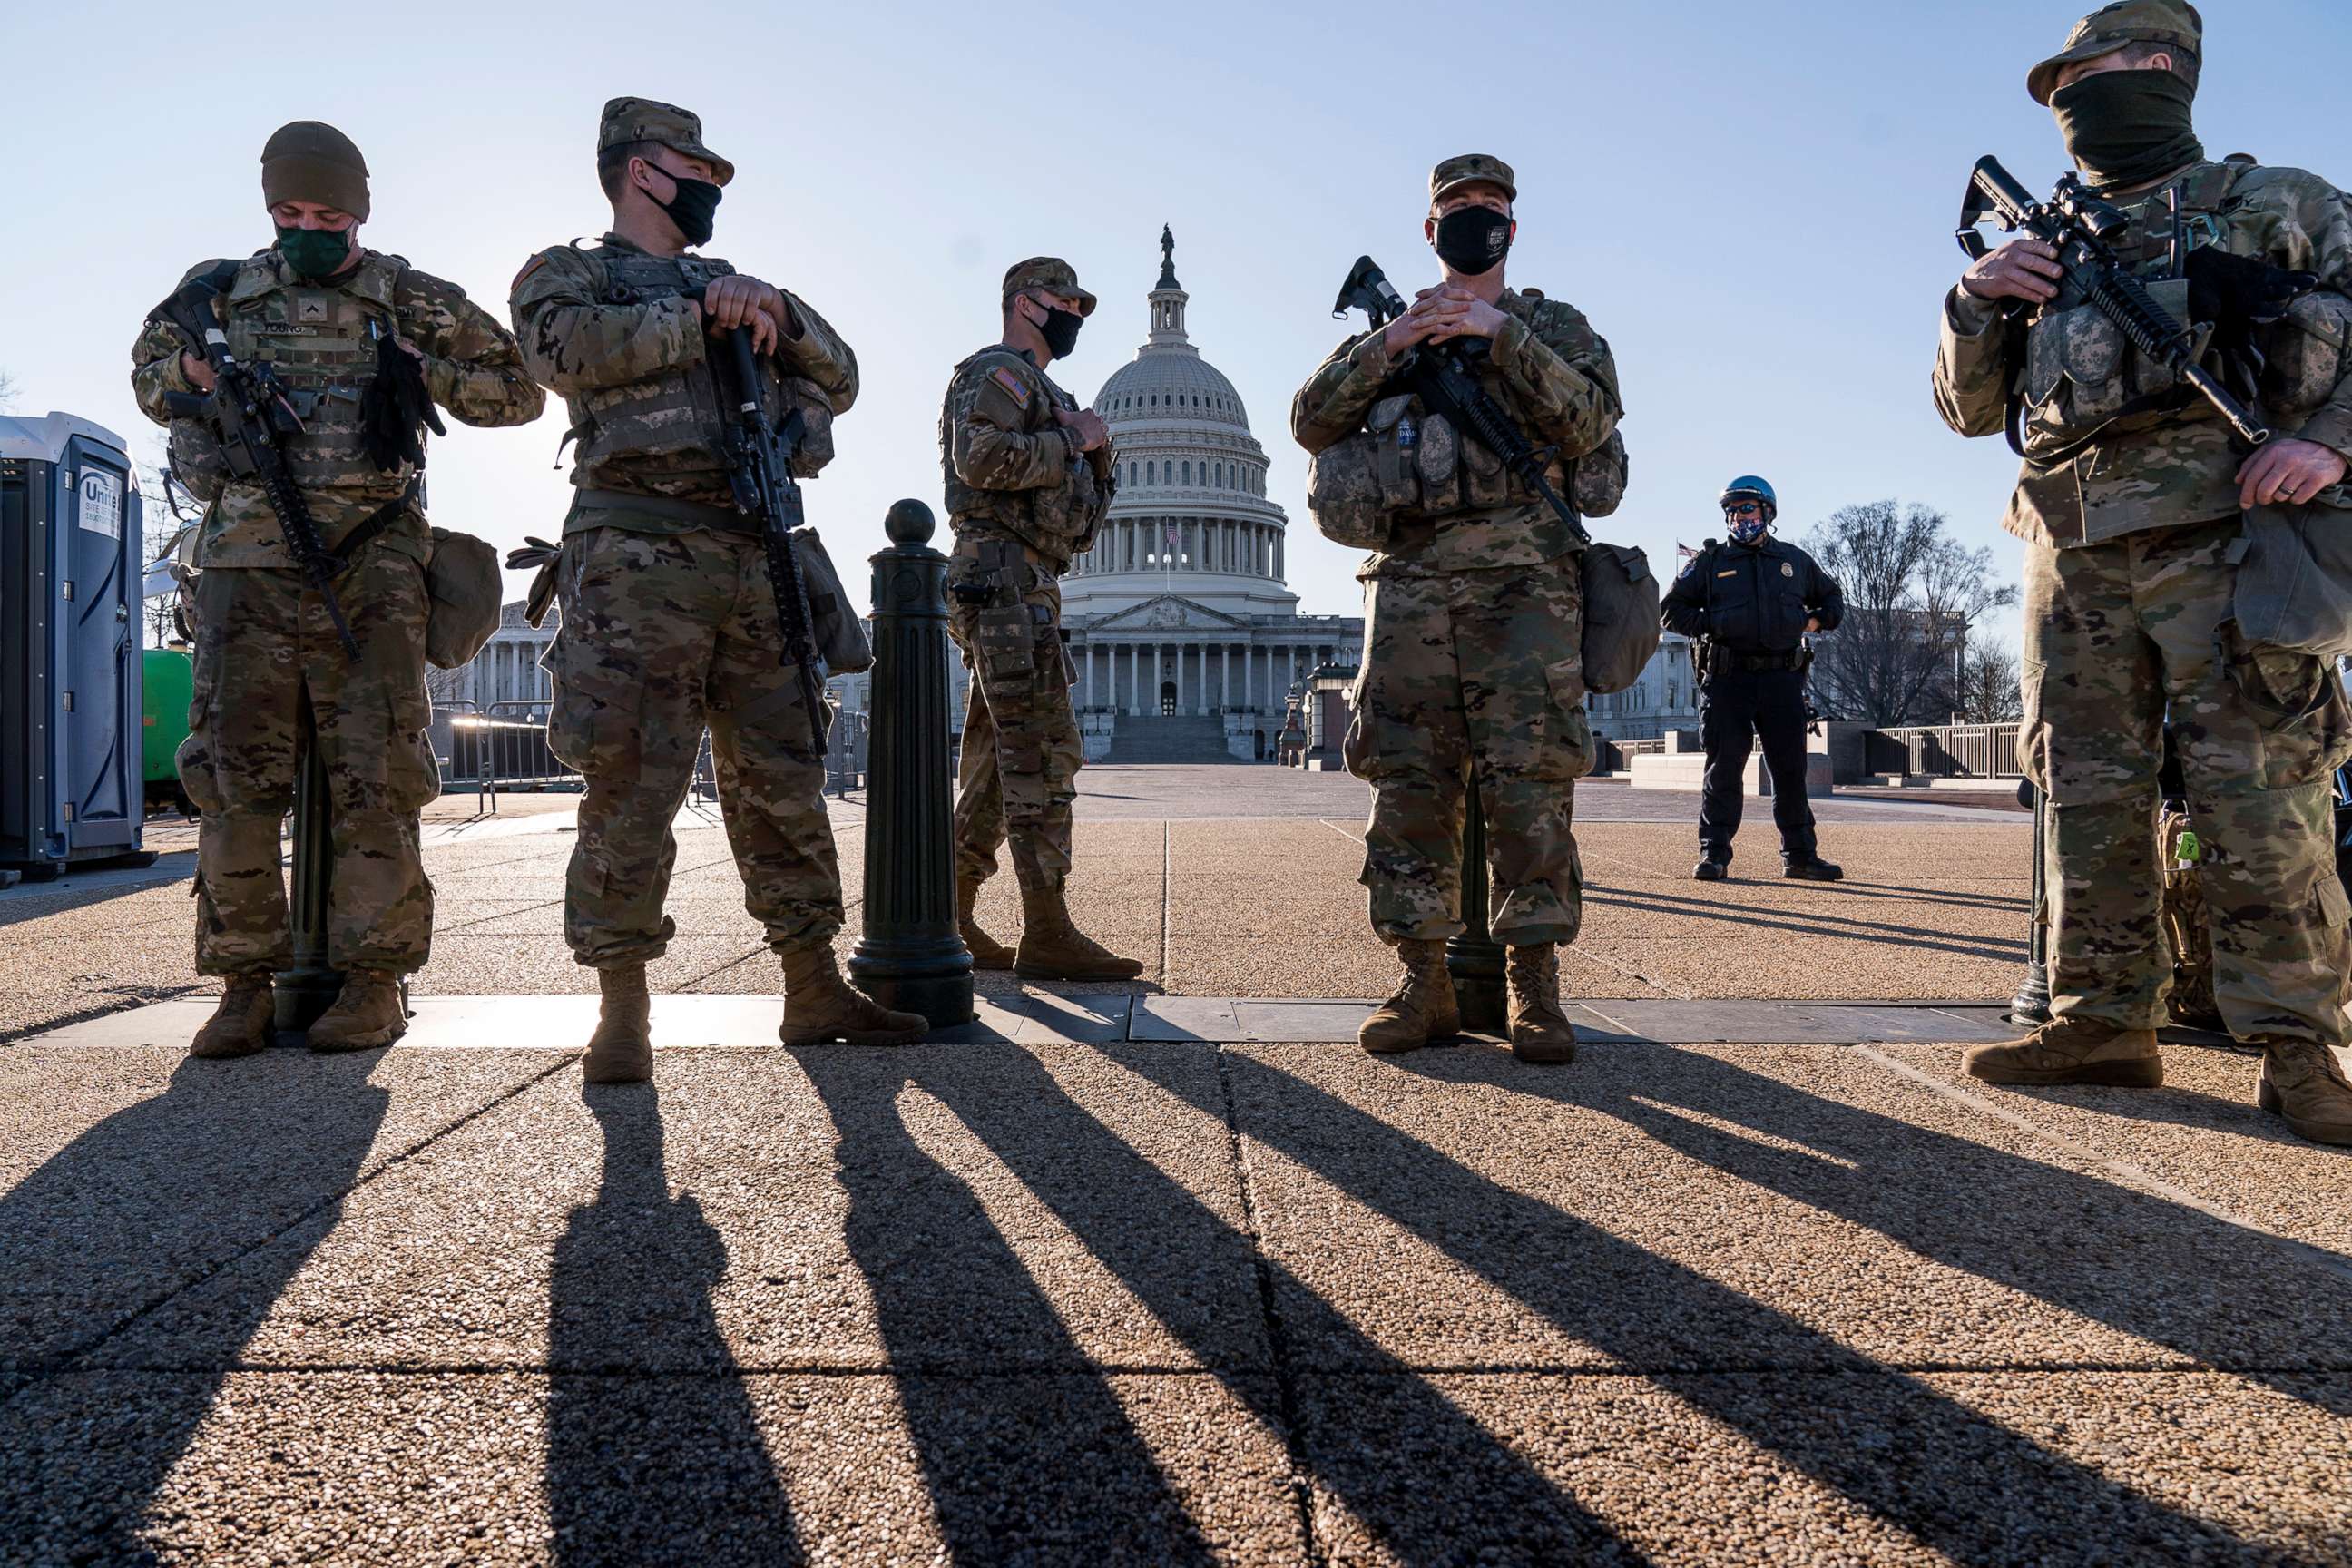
(1058, 522)
(1408, 481)
(682, 409)
(320, 341)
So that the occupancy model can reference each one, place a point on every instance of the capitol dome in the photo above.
(1192, 515)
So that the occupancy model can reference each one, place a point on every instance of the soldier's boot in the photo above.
(1813, 868)
(1423, 1008)
(819, 1005)
(1539, 1030)
(987, 953)
(1710, 869)
(2067, 1051)
(621, 1049)
(367, 1014)
(1053, 948)
(2304, 1082)
(240, 1025)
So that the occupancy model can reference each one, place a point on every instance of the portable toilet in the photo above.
(169, 681)
(70, 706)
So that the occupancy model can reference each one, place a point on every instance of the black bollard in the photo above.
(911, 956)
(1474, 958)
(311, 986)
(2031, 1004)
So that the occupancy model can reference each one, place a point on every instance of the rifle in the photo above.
(2082, 229)
(760, 470)
(1441, 376)
(248, 411)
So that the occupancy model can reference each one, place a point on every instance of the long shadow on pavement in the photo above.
(154, 1199)
(936, 1261)
(653, 1452)
(1957, 1481)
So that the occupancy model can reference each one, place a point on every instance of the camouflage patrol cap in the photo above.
(1051, 273)
(630, 120)
(311, 161)
(1472, 169)
(2174, 24)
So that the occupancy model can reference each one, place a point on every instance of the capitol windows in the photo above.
(1187, 473)
(1150, 473)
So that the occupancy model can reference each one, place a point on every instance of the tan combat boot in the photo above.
(2303, 1081)
(1054, 949)
(1423, 1009)
(819, 1005)
(987, 953)
(621, 1049)
(240, 1025)
(367, 1014)
(2066, 1051)
(1539, 1031)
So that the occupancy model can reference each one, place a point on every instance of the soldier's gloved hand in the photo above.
(2024, 270)
(1092, 431)
(2287, 471)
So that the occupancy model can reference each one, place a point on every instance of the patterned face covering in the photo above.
(1747, 527)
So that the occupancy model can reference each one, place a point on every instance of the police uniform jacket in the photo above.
(1753, 598)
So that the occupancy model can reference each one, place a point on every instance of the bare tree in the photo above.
(1913, 593)
(1988, 690)
(167, 510)
(7, 390)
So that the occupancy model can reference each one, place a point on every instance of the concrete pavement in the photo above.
(1169, 1273)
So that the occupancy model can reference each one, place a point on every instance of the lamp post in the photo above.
(311, 986)
(1475, 959)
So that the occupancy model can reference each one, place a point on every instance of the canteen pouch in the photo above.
(834, 627)
(2293, 587)
(1600, 482)
(463, 590)
(1621, 616)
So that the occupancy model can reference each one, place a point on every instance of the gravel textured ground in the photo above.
(1778, 1301)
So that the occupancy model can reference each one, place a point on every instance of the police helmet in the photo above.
(1748, 487)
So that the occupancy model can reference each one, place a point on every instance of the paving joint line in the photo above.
(1167, 896)
(2130, 1174)
(120, 1005)
(80, 1353)
(1285, 1385)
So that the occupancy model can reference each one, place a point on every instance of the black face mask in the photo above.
(690, 208)
(2125, 128)
(1473, 239)
(1060, 329)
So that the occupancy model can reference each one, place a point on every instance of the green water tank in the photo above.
(170, 682)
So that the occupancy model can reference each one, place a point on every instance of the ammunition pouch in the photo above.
(2082, 374)
(1598, 484)
(2307, 353)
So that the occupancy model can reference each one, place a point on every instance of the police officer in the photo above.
(1751, 600)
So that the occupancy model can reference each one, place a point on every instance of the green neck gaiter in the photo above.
(2125, 128)
(315, 254)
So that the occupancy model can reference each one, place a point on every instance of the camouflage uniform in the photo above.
(1023, 501)
(669, 620)
(264, 642)
(1472, 643)
(2128, 503)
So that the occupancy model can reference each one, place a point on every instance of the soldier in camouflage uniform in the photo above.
(1028, 476)
(669, 620)
(2129, 503)
(1471, 646)
(315, 308)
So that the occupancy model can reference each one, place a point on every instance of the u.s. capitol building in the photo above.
(1185, 637)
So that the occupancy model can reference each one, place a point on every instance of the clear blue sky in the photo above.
(1752, 201)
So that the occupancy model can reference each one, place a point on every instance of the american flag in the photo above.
(1171, 536)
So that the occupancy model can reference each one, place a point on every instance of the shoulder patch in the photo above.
(1003, 376)
(534, 265)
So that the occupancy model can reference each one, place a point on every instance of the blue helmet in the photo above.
(1749, 487)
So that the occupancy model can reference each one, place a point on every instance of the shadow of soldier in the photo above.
(237, 1165)
(951, 1291)
(653, 1450)
(1899, 1448)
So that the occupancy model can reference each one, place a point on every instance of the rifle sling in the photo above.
(371, 528)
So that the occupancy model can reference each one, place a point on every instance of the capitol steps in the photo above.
(1182, 738)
